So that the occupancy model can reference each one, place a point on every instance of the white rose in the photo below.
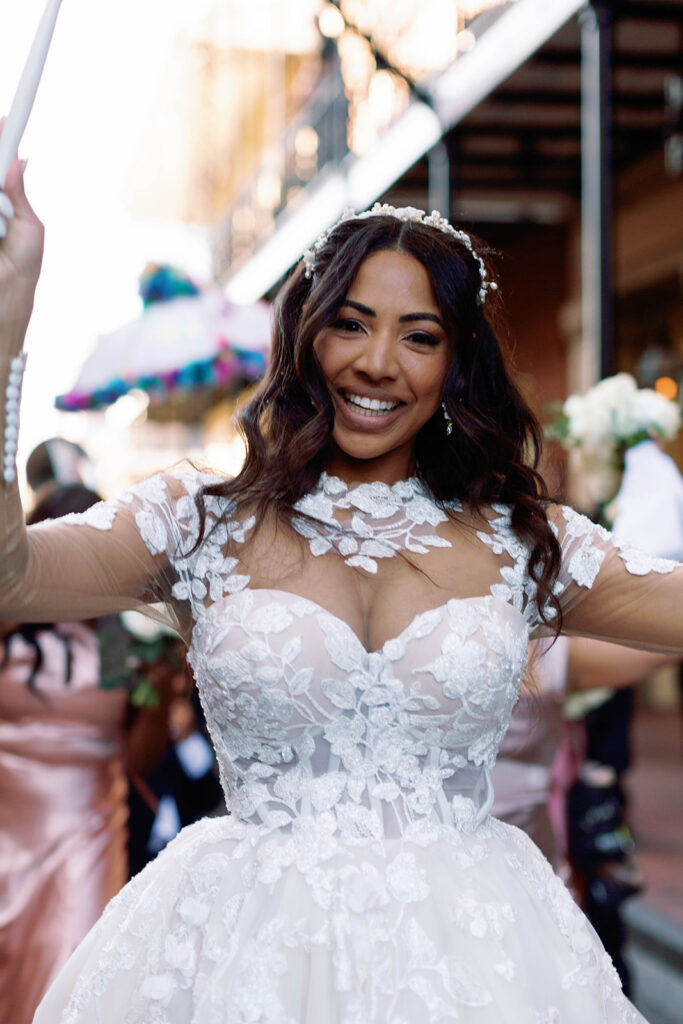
(593, 417)
(652, 411)
(615, 391)
(575, 411)
(670, 420)
(589, 421)
(626, 419)
(611, 411)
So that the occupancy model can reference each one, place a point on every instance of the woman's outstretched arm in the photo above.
(115, 556)
(610, 591)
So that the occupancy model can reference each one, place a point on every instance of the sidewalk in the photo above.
(655, 919)
(655, 790)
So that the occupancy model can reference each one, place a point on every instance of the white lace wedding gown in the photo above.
(356, 705)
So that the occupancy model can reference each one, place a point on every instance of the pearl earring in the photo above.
(448, 419)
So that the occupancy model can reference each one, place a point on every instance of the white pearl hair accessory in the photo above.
(415, 216)
(12, 400)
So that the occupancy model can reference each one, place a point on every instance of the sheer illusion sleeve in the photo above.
(611, 591)
(120, 554)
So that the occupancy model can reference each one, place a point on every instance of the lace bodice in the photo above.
(361, 667)
(305, 719)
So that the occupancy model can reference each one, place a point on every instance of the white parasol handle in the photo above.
(15, 124)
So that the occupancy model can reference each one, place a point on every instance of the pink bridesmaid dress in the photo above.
(63, 808)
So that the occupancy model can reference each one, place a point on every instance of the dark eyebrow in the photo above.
(408, 318)
(359, 306)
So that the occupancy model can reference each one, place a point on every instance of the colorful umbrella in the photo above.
(178, 345)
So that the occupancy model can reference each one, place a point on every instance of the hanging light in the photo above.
(465, 40)
(331, 22)
(666, 386)
(268, 189)
(306, 141)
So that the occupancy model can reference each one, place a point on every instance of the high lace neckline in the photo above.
(378, 520)
(396, 494)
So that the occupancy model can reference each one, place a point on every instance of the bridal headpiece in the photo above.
(414, 216)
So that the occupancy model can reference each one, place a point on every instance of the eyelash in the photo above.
(422, 338)
(355, 327)
(347, 324)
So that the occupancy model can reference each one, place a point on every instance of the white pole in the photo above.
(15, 124)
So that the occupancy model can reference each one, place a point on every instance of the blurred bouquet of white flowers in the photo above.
(600, 425)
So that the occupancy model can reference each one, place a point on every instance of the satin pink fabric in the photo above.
(63, 810)
(525, 778)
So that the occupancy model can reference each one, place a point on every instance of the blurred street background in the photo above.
(183, 154)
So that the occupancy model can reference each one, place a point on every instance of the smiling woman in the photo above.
(357, 603)
(385, 359)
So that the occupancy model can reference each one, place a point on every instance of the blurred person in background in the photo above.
(65, 749)
(179, 787)
(539, 757)
(58, 461)
(648, 508)
(646, 513)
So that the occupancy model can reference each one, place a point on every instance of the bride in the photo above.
(357, 604)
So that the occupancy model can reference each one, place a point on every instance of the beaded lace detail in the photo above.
(385, 520)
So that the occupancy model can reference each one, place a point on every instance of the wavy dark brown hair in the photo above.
(491, 454)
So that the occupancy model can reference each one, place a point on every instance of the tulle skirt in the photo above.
(237, 924)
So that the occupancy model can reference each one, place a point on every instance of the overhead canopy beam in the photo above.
(649, 10)
(517, 34)
(500, 50)
(571, 98)
(544, 129)
(555, 57)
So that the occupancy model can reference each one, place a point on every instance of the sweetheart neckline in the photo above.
(392, 639)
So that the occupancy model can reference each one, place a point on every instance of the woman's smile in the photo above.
(365, 410)
(369, 406)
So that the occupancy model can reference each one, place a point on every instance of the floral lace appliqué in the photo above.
(100, 516)
(384, 520)
(516, 586)
(584, 556)
(639, 563)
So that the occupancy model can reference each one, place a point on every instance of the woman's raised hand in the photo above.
(21, 254)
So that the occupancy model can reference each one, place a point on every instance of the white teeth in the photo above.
(370, 406)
